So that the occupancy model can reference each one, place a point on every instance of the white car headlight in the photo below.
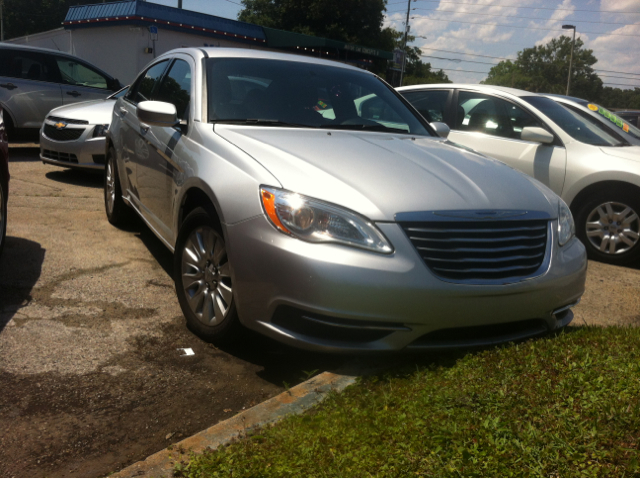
(100, 130)
(566, 226)
(318, 222)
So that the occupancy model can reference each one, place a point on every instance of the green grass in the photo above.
(565, 405)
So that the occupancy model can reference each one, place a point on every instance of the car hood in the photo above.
(381, 174)
(626, 152)
(95, 112)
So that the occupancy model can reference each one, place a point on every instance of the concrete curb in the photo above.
(295, 401)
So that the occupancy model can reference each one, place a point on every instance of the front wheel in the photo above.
(118, 213)
(608, 224)
(3, 216)
(202, 275)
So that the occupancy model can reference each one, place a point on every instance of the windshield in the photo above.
(299, 94)
(613, 120)
(584, 129)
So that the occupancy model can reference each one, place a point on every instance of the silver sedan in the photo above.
(73, 135)
(306, 200)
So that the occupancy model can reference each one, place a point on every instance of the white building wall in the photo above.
(119, 49)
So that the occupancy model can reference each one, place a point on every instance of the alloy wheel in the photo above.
(206, 276)
(613, 228)
(111, 186)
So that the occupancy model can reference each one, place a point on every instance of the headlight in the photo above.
(100, 130)
(318, 222)
(566, 226)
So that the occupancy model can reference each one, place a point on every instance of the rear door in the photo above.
(81, 82)
(28, 86)
(492, 126)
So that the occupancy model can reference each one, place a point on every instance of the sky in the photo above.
(462, 36)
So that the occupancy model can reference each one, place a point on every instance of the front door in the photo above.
(492, 126)
(155, 177)
(28, 87)
(135, 149)
(80, 82)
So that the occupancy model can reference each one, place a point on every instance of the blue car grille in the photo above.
(480, 251)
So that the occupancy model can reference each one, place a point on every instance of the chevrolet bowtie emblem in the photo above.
(61, 125)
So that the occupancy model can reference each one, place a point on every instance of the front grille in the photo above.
(60, 156)
(69, 134)
(480, 251)
(67, 120)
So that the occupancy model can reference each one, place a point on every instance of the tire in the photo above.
(202, 276)
(608, 224)
(118, 213)
(3, 216)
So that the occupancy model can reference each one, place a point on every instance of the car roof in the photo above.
(225, 52)
(471, 86)
(16, 46)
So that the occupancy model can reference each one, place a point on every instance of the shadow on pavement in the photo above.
(88, 179)
(20, 268)
(23, 154)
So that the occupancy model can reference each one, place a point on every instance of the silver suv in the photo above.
(307, 200)
(34, 81)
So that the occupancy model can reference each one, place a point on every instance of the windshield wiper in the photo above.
(262, 122)
(362, 127)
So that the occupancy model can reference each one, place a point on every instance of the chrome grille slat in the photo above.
(441, 230)
(485, 260)
(67, 120)
(479, 240)
(480, 251)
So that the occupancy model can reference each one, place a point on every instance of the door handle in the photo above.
(73, 93)
(144, 129)
(8, 86)
(123, 111)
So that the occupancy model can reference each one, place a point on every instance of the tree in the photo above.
(619, 98)
(26, 17)
(545, 69)
(353, 21)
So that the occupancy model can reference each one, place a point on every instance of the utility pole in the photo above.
(180, 4)
(404, 46)
(573, 43)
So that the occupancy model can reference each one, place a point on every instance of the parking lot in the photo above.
(90, 327)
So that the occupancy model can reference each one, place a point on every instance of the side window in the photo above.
(27, 66)
(78, 74)
(144, 85)
(176, 88)
(431, 103)
(490, 115)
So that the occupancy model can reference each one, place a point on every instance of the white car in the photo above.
(585, 161)
(73, 136)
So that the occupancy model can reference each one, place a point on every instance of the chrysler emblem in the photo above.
(61, 125)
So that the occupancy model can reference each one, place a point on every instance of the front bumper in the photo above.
(276, 276)
(85, 152)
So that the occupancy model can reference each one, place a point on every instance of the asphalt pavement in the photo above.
(90, 329)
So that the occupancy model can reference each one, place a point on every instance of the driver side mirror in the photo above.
(157, 113)
(537, 134)
(442, 129)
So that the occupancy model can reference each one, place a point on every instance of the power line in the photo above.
(507, 16)
(517, 6)
(527, 28)
(512, 59)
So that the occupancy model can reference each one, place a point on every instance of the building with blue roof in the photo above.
(122, 37)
